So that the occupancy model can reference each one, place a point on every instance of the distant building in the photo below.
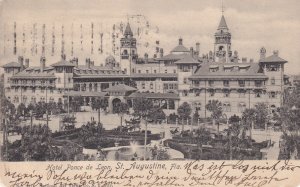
(183, 75)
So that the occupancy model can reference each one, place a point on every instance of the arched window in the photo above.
(226, 107)
(241, 107)
(33, 99)
(125, 52)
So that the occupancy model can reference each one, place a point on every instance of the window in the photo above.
(59, 80)
(69, 79)
(197, 92)
(211, 83)
(242, 93)
(197, 105)
(24, 89)
(211, 93)
(226, 83)
(226, 93)
(171, 86)
(241, 83)
(185, 93)
(33, 99)
(174, 71)
(16, 89)
(258, 83)
(8, 80)
(273, 95)
(42, 90)
(258, 94)
(213, 69)
(241, 107)
(51, 100)
(143, 85)
(165, 86)
(51, 90)
(139, 71)
(155, 71)
(272, 81)
(184, 80)
(166, 71)
(151, 85)
(171, 104)
(147, 71)
(24, 99)
(226, 107)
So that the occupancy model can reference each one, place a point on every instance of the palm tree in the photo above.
(248, 118)
(121, 109)
(215, 107)
(184, 111)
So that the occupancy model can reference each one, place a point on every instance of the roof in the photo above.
(251, 72)
(172, 57)
(12, 65)
(180, 48)
(187, 59)
(120, 87)
(272, 58)
(128, 31)
(222, 24)
(34, 74)
(88, 94)
(154, 95)
(63, 63)
(155, 75)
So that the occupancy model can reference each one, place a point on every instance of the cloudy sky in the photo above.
(274, 24)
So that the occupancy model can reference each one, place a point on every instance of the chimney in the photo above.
(146, 57)
(276, 52)
(42, 63)
(76, 62)
(263, 52)
(180, 41)
(63, 57)
(251, 60)
(88, 62)
(21, 62)
(161, 52)
(244, 60)
(27, 63)
(198, 48)
(192, 51)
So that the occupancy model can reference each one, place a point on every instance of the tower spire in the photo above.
(222, 8)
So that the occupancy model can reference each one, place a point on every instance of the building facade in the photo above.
(183, 75)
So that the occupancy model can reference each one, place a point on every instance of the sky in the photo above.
(273, 24)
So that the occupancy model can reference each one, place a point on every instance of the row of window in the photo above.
(226, 106)
(16, 99)
(154, 71)
(226, 83)
(33, 82)
(227, 93)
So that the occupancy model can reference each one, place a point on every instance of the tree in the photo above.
(261, 117)
(248, 118)
(143, 108)
(215, 107)
(98, 104)
(157, 114)
(184, 111)
(121, 109)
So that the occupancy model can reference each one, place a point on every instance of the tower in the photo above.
(128, 51)
(222, 48)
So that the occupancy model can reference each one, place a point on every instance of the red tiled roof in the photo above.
(187, 59)
(272, 58)
(222, 24)
(146, 75)
(87, 94)
(154, 95)
(120, 87)
(12, 65)
(180, 48)
(63, 63)
(251, 73)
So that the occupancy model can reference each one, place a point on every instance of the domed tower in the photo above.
(128, 51)
(222, 42)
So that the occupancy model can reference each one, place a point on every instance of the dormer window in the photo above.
(214, 69)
